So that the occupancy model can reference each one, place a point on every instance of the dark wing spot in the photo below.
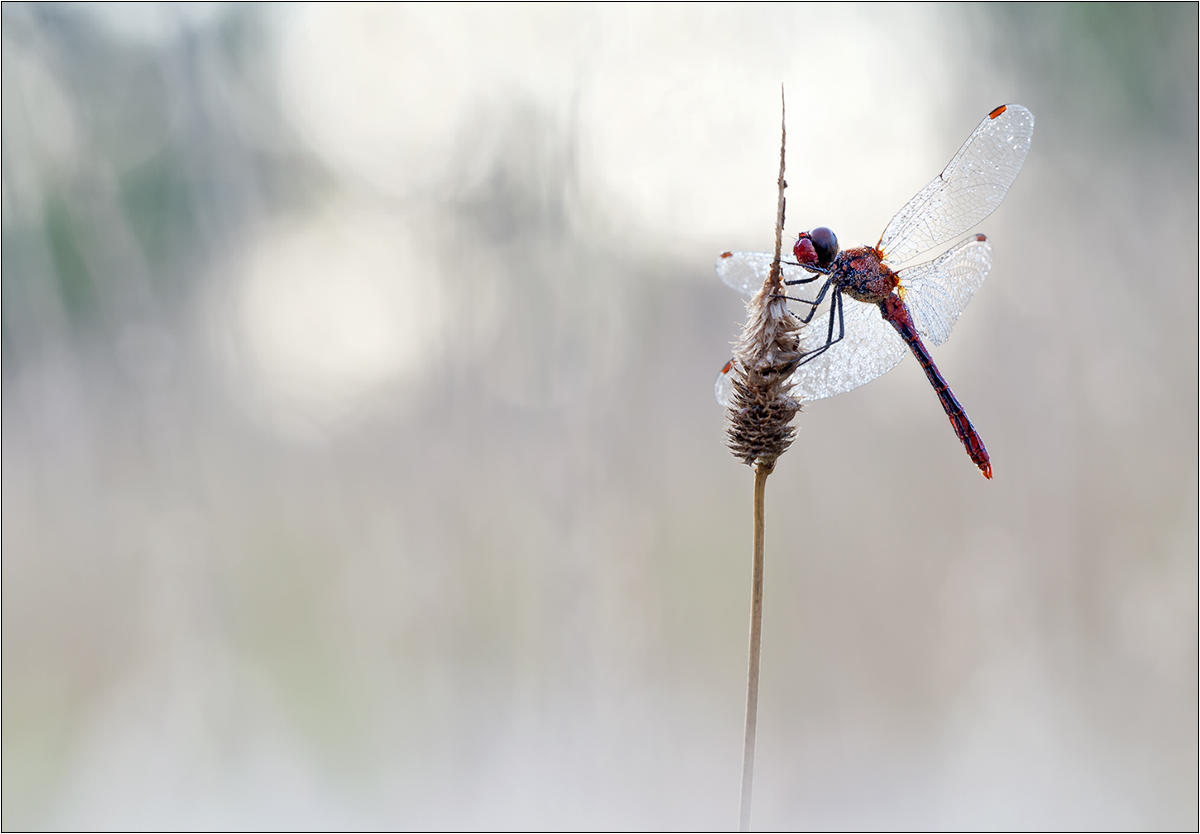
(995, 113)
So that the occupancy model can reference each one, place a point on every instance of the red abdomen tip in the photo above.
(986, 469)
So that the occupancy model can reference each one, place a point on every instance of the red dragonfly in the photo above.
(891, 309)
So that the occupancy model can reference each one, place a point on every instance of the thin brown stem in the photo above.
(760, 413)
(775, 275)
(761, 471)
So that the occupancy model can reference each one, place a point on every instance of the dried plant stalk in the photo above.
(761, 407)
(756, 588)
(759, 430)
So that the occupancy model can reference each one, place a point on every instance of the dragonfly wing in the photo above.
(746, 272)
(937, 292)
(870, 348)
(968, 190)
(723, 389)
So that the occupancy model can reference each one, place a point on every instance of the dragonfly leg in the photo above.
(835, 311)
(818, 270)
(797, 300)
(819, 299)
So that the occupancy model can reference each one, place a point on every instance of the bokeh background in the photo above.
(361, 466)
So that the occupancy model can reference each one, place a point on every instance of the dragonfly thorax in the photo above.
(861, 274)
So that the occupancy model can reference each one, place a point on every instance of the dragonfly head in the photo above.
(818, 247)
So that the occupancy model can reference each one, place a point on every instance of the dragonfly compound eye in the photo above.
(804, 250)
(825, 242)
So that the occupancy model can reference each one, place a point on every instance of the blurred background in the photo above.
(361, 466)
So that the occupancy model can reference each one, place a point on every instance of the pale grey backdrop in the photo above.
(361, 467)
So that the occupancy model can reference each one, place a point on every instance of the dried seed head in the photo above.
(761, 408)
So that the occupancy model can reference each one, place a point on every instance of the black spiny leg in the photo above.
(818, 270)
(817, 302)
(835, 311)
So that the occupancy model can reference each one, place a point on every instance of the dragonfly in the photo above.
(890, 310)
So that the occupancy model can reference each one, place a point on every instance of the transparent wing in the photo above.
(937, 292)
(870, 348)
(747, 271)
(723, 389)
(968, 190)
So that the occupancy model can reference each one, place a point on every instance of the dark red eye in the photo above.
(804, 250)
(825, 242)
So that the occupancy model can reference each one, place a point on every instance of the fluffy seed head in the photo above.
(761, 408)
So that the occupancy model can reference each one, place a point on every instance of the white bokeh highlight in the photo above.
(331, 310)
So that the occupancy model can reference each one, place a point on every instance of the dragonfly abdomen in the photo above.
(896, 313)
